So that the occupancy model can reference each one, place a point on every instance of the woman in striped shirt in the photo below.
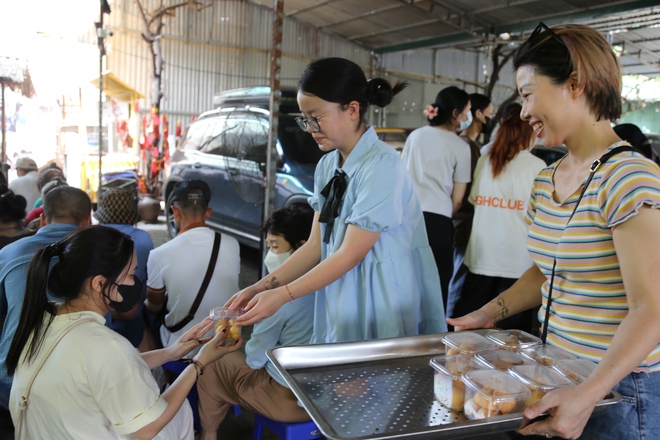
(605, 300)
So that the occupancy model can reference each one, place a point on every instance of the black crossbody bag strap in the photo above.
(594, 167)
(202, 288)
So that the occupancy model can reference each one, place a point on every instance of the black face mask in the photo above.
(131, 296)
(487, 127)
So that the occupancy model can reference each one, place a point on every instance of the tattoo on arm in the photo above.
(272, 283)
(505, 309)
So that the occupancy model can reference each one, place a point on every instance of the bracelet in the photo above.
(289, 292)
(199, 368)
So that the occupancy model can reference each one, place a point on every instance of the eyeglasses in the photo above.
(542, 27)
(312, 122)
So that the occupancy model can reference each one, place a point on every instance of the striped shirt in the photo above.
(588, 298)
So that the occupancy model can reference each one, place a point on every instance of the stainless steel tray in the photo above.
(381, 389)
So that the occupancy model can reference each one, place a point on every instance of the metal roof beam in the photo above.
(582, 14)
(308, 8)
(395, 29)
(356, 17)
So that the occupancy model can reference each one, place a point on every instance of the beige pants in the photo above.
(230, 381)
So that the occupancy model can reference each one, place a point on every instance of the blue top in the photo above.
(290, 325)
(395, 290)
(14, 261)
(133, 330)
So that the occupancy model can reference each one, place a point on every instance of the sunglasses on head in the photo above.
(540, 29)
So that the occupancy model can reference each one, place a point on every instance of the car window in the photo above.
(242, 135)
(196, 133)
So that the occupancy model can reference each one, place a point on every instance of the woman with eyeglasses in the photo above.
(594, 238)
(367, 257)
(440, 165)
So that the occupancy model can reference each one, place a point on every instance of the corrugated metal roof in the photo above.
(393, 25)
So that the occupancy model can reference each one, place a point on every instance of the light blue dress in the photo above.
(395, 290)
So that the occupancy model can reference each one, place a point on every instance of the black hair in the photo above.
(446, 101)
(632, 134)
(478, 101)
(293, 222)
(12, 206)
(83, 254)
(67, 201)
(341, 81)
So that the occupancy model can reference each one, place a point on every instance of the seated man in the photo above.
(249, 379)
(177, 268)
(118, 209)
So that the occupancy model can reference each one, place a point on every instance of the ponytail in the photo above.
(35, 305)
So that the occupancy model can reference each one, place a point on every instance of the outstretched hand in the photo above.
(262, 306)
(474, 320)
(217, 348)
(191, 339)
(240, 299)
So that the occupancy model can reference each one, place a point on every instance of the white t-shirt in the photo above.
(497, 245)
(180, 265)
(435, 159)
(26, 186)
(93, 385)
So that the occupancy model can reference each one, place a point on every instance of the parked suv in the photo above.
(227, 148)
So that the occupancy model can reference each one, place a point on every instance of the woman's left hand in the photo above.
(263, 305)
(191, 339)
(568, 408)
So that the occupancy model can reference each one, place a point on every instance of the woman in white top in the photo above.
(497, 254)
(439, 163)
(89, 382)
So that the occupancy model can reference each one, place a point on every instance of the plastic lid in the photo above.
(540, 377)
(545, 354)
(467, 342)
(496, 385)
(513, 338)
(456, 364)
(218, 313)
(575, 369)
(502, 359)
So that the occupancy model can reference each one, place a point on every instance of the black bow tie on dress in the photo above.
(334, 194)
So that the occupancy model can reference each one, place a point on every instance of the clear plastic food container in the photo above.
(539, 379)
(447, 384)
(224, 318)
(545, 354)
(490, 393)
(575, 369)
(467, 343)
(513, 340)
(503, 359)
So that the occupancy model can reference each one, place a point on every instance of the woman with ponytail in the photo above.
(80, 379)
(367, 258)
(439, 162)
(497, 254)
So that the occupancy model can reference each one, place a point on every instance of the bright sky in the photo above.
(43, 32)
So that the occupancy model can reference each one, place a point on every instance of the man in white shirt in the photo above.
(26, 183)
(177, 268)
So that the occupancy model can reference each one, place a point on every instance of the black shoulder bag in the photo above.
(202, 289)
(594, 167)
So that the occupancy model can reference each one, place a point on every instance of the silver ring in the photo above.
(548, 435)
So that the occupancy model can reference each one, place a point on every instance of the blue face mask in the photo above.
(466, 124)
